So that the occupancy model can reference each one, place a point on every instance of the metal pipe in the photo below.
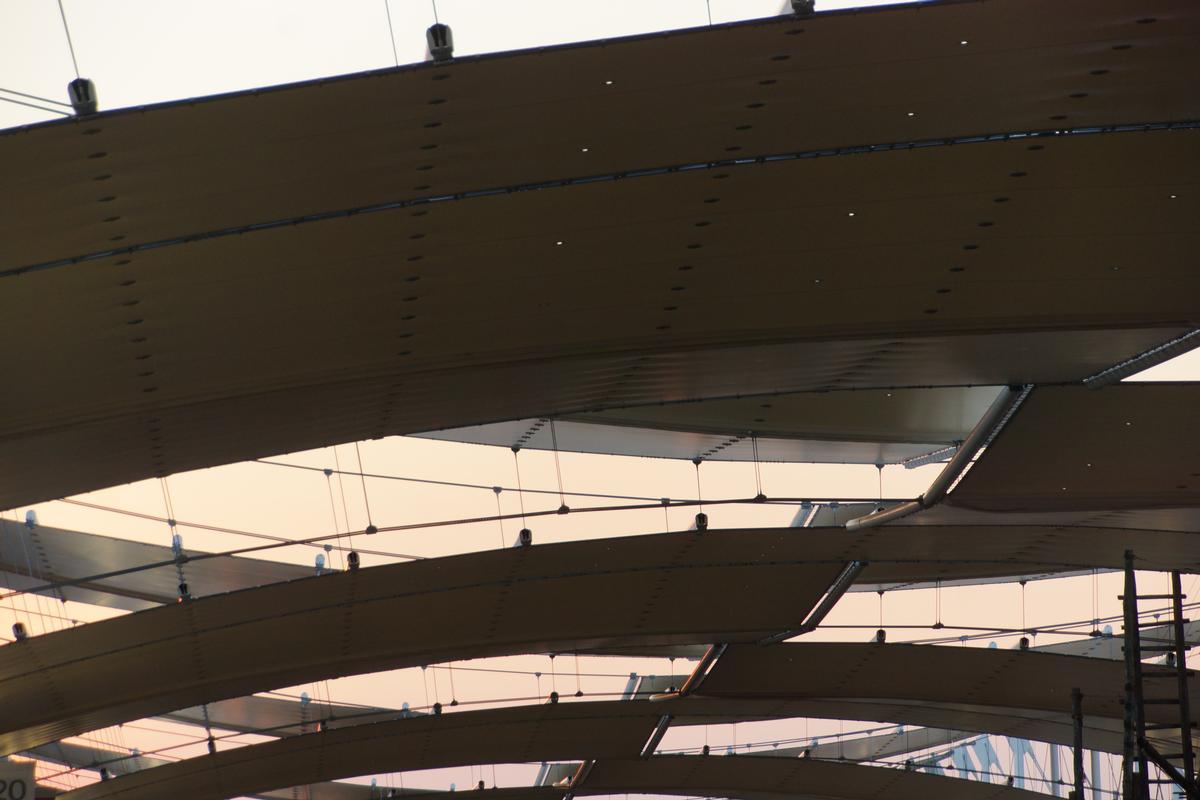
(581, 775)
(992, 419)
(701, 671)
(880, 517)
(835, 592)
(1077, 719)
(1185, 706)
(660, 730)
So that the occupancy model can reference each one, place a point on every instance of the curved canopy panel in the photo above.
(611, 729)
(668, 589)
(643, 102)
(40, 555)
(588, 730)
(1180, 520)
(875, 747)
(198, 340)
(1006, 678)
(681, 588)
(864, 427)
(749, 778)
(278, 716)
(1022, 723)
(1069, 448)
(599, 730)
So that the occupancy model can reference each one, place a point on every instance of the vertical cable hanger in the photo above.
(937, 605)
(70, 44)
(435, 13)
(176, 539)
(563, 508)
(366, 500)
(392, 31)
(337, 463)
(701, 517)
(337, 529)
(499, 514)
(525, 536)
(758, 495)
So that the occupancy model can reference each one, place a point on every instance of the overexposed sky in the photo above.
(149, 51)
(146, 51)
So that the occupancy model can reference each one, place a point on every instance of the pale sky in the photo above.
(145, 51)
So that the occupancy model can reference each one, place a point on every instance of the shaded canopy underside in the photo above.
(187, 329)
(666, 589)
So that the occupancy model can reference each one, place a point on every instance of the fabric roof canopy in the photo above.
(636, 590)
(1128, 446)
(867, 427)
(599, 730)
(41, 555)
(612, 593)
(742, 776)
(189, 347)
(1010, 678)
(675, 98)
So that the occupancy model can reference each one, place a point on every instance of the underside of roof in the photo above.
(824, 239)
(1072, 449)
(603, 730)
(666, 589)
(224, 295)
(863, 427)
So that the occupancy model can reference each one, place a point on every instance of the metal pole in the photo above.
(1185, 709)
(1077, 719)
(1134, 765)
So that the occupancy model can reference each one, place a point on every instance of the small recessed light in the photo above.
(889, 394)
(963, 43)
(558, 244)
(608, 83)
(850, 214)
(584, 149)
(1127, 424)
(816, 280)
(1174, 196)
(912, 113)
(1089, 465)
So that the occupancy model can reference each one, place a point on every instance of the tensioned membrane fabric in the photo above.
(877, 746)
(640, 590)
(1055, 727)
(43, 555)
(599, 730)
(1009, 678)
(278, 716)
(748, 778)
(87, 756)
(519, 734)
(866, 427)
(665, 589)
(772, 86)
(1068, 448)
(985, 263)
